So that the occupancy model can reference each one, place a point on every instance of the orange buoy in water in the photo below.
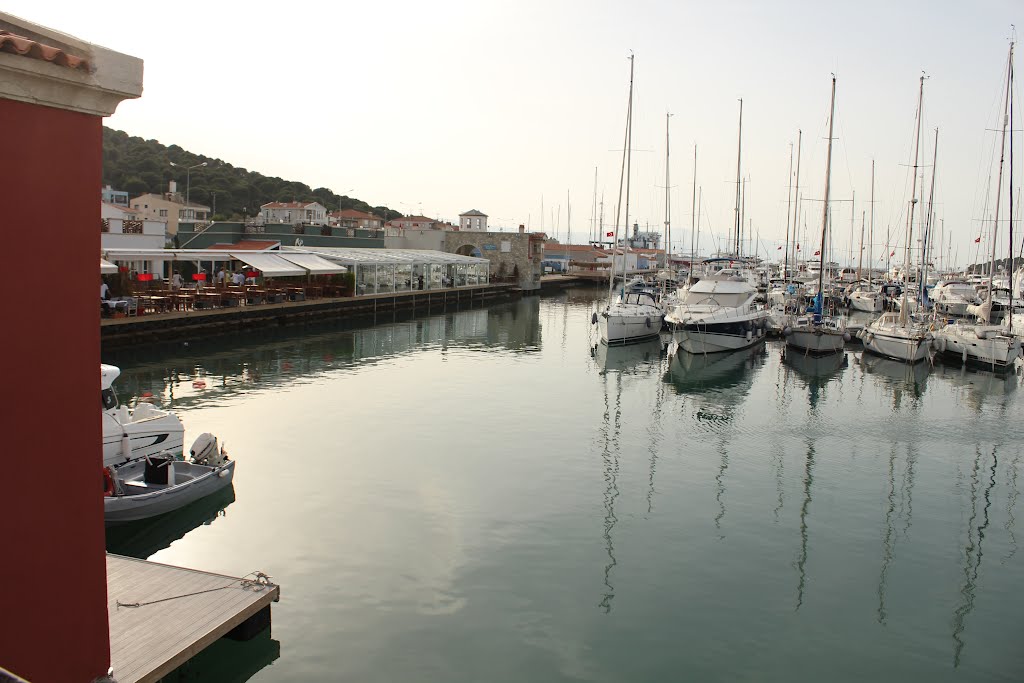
(199, 384)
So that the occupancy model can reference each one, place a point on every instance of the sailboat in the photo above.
(635, 315)
(817, 333)
(899, 335)
(991, 346)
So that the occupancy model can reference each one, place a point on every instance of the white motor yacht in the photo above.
(865, 298)
(897, 336)
(952, 297)
(718, 314)
(989, 346)
(143, 431)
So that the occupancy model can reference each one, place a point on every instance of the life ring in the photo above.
(108, 483)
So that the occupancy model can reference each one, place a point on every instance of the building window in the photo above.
(163, 213)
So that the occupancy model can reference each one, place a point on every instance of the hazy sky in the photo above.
(439, 107)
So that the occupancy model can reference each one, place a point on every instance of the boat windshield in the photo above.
(723, 299)
(109, 398)
(639, 298)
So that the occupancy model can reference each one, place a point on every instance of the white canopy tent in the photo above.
(107, 268)
(270, 263)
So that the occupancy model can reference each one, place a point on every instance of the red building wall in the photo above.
(53, 605)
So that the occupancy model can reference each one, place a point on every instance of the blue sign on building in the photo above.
(490, 247)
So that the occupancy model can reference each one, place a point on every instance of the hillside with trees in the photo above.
(138, 166)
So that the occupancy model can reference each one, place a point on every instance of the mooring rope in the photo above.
(259, 582)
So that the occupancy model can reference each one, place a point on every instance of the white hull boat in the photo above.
(635, 317)
(131, 434)
(829, 335)
(988, 346)
(869, 302)
(908, 342)
(148, 487)
(718, 315)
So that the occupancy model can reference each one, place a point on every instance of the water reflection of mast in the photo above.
(1011, 502)
(656, 433)
(972, 553)
(802, 561)
(889, 542)
(610, 455)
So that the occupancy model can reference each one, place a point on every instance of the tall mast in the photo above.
(820, 299)
(926, 243)
(622, 176)
(913, 200)
(629, 164)
(860, 252)
(743, 216)
(1012, 273)
(693, 215)
(700, 198)
(999, 183)
(789, 210)
(668, 202)
(796, 193)
(871, 236)
(739, 150)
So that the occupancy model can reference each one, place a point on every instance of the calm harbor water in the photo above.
(479, 497)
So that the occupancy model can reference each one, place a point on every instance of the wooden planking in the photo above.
(148, 642)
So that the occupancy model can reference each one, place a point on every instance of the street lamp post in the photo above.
(188, 180)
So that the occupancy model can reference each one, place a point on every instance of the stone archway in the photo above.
(469, 250)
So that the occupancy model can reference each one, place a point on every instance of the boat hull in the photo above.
(995, 352)
(868, 304)
(618, 328)
(816, 341)
(716, 338)
(909, 349)
(160, 500)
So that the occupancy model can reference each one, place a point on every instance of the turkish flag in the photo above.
(818, 253)
(609, 234)
(893, 253)
(777, 248)
(977, 240)
(798, 246)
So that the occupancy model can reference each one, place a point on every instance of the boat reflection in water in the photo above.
(642, 358)
(144, 538)
(976, 387)
(815, 371)
(229, 661)
(706, 375)
(900, 377)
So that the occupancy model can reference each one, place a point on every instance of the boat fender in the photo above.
(869, 337)
(749, 335)
(108, 483)
(786, 331)
(846, 336)
(647, 322)
(963, 356)
(593, 318)
(199, 384)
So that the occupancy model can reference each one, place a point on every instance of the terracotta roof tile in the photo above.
(287, 205)
(353, 213)
(20, 45)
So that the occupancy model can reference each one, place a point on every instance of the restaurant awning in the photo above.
(106, 267)
(269, 264)
(313, 263)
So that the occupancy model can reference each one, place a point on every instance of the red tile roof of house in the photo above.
(413, 219)
(119, 207)
(20, 45)
(247, 245)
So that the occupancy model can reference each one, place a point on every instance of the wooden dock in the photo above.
(161, 616)
(175, 325)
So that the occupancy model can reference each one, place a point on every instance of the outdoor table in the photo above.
(295, 293)
(182, 301)
(255, 296)
(314, 291)
(207, 299)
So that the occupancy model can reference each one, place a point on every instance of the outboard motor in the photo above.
(205, 451)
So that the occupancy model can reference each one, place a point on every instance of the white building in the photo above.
(473, 221)
(292, 213)
(120, 228)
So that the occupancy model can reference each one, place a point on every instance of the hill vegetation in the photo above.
(138, 166)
